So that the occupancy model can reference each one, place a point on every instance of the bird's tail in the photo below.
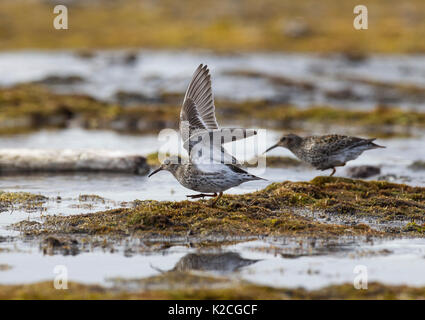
(374, 145)
(253, 177)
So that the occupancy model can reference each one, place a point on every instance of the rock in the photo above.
(34, 160)
(354, 56)
(60, 80)
(66, 246)
(86, 54)
(343, 94)
(363, 171)
(394, 178)
(130, 58)
(417, 166)
(126, 98)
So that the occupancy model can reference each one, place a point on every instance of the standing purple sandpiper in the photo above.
(207, 170)
(326, 152)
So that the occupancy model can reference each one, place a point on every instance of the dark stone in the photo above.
(363, 171)
(417, 166)
(60, 80)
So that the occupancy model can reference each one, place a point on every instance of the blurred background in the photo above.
(236, 25)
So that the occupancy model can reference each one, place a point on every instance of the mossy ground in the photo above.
(30, 107)
(319, 26)
(271, 211)
(243, 291)
(21, 200)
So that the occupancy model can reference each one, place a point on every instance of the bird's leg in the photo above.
(201, 195)
(216, 199)
(333, 172)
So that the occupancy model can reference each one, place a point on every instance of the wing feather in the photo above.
(199, 91)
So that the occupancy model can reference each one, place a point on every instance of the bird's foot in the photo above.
(333, 172)
(201, 195)
(216, 199)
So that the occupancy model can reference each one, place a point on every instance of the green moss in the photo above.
(413, 226)
(21, 200)
(266, 212)
(372, 198)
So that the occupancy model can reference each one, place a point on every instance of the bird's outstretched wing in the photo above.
(199, 125)
(198, 104)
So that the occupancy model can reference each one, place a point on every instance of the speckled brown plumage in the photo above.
(328, 151)
(210, 169)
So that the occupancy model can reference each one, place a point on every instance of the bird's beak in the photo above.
(155, 171)
(271, 148)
